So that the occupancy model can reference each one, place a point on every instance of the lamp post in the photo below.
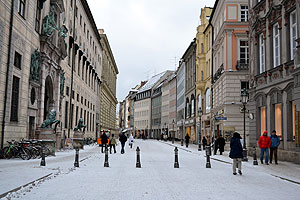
(182, 123)
(244, 99)
(173, 135)
(199, 136)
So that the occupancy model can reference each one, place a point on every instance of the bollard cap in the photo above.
(138, 149)
(176, 149)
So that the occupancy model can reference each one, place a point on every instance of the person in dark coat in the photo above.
(123, 140)
(204, 142)
(236, 152)
(221, 143)
(216, 146)
(187, 140)
(104, 140)
(275, 142)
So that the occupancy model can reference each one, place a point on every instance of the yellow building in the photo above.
(203, 73)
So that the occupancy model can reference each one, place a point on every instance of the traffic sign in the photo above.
(220, 118)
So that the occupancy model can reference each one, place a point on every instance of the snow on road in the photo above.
(157, 179)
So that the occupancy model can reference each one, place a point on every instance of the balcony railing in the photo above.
(242, 65)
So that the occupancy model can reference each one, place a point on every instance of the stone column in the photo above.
(284, 119)
(268, 113)
(229, 50)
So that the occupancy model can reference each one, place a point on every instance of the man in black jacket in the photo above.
(123, 140)
(103, 141)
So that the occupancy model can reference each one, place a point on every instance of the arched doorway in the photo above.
(48, 96)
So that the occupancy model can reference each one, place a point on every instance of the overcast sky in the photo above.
(146, 35)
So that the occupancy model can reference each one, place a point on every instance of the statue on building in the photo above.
(62, 83)
(35, 66)
(49, 24)
(80, 125)
(51, 120)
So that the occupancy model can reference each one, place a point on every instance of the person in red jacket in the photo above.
(264, 143)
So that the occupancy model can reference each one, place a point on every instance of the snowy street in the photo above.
(157, 179)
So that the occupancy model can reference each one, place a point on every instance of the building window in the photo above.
(262, 67)
(202, 48)
(67, 91)
(278, 120)
(84, 29)
(276, 45)
(262, 119)
(207, 101)
(71, 3)
(244, 85)
(15, 99)
(21, 7)
(244, 13)
(38, 16)
(76, 11)
(66, 114)
(201, 75)
(193, 106)
(199, 101)
(293, 31)
(17, 60)
(244, 52)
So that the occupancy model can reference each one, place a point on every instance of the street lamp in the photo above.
(173, 135)
(244, 99)
(199, 137)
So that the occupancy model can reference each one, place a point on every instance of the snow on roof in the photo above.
(151, 82)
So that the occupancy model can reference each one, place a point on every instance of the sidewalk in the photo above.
(284, 170)
(15, 173)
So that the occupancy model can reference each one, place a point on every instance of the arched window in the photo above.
(192, 105)
(199, 101)
(207, 101)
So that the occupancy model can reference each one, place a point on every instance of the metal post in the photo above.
(43, 161)
(199, 139)
(244, 143)
(214, 132)
(106, 164)
(76, 163)
(208, 153)
(138, 161)
(254, 156)
(176, 164)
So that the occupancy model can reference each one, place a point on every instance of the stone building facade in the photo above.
(203, 75)
(180, 99)
(165, 107)
(51, 58)
(108, 86)
(230, 58)
(172, 107)
(274, 29)
(189, 57)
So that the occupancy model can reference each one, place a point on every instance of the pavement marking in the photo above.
(84, 159)
(18, 188)
(286, 179)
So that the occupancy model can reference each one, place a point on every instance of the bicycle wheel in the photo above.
(25, 154)
(47, 151)
(34, 152)
(7, 153)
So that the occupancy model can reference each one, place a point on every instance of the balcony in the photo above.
(218, 73)
(242, 65)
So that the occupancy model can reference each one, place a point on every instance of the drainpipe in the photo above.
(7, 70)
(72, 73)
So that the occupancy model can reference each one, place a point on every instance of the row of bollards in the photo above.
(138, 159)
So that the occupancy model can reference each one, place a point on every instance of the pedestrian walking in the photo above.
(221, 144)
(204, 142)
(131, 141)
(264, 143)
(123, 140)
(216, 146)
(275, 142)
(112, 143)
(187, 140)
(104, 140)
(236, 152)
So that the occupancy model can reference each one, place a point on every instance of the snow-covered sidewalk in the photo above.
(157, 179)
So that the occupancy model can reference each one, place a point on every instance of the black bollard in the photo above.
(76, 163)
(43, 161)
(181, 142)
(254, 156)
(138, 161)
(106, 164)
(208, 153)
(176, 164)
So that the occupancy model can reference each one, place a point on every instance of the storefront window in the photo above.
(278, 121)
(262, 119)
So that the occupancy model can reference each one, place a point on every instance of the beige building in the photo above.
(203, 75)
(229, 20)
(108, 87)
(50, 59)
